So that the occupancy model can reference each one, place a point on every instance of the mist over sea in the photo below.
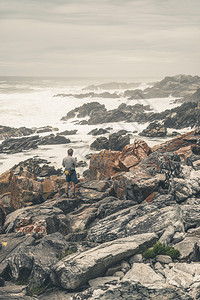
(30, 102)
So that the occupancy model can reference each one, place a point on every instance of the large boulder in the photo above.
(108, 163)
(138, 219)
(75, 270)
(100, 143)
(155, 129)
(117, 141)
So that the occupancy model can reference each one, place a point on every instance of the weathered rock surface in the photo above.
(90, 95)
(155, 129)
(133, 291)
(112, 86)
(108, 163)
(8, 132)
(75, 270)
(15, 145)
(97, 131)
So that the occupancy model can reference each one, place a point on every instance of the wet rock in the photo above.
(98, 131)
(15, 145)
(37, 167)
(75, 270)
(90, 95)
(45, 129)
(154, 129)
(53, 140)
(111, 86)
(84, 110)
(99, 144)
(68, 132)
(117, 141)
(7, 132)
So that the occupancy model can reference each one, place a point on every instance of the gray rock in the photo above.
(119, 274)
(139, 219)
(125, 267)
(165, 259)
(75, 270)
(102, 280)
(178, 237)
(14, 292)
(143, 274)
(133, 291)
(137, 258)
(113, 270)
(189, 248)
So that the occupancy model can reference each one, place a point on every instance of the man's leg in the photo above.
(66, 187)
(73, 188)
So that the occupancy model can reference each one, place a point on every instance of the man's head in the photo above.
(70, 152)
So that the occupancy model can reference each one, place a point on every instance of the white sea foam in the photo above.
(38, 107)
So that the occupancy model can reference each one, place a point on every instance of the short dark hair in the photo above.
(70, 151)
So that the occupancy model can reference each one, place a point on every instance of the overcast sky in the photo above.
(110, 38)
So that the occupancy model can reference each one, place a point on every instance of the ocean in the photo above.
(30, 102)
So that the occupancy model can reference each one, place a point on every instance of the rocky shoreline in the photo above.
(92, 247)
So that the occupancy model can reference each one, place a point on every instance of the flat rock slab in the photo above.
(102, 280)
(75, 270)
(144, 274)
(188, 248)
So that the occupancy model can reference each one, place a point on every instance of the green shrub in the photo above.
(159, 249)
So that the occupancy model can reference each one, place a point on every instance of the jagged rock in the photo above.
(7, 132)
(102, 280)
(108, 163)
(45, 129)
(117, 141)
(138, 219)
(68, 132)
(165, 259)
(98, 131)
(30, 262)
(35, 166)
(154, 129)
(91, 95)
(102, 165)
(143, 274)
(148, 177)
(84, 110)
(133, 291)
(182, 274)
(14, 292)
(189, 249)
(132, 154)
(41, 219)
(86, 214)
(15, 145)
(100, 143)
(75, 270)
(111, 86)
(53, 140)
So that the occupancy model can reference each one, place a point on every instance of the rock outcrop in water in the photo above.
(15, 145)
(91, 247)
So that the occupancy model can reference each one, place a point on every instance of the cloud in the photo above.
(99, 38)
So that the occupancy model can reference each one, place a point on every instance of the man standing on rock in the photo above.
(69, 163)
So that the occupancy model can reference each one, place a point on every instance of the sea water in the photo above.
(30, 102)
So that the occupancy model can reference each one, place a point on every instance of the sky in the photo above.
(104, 38)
